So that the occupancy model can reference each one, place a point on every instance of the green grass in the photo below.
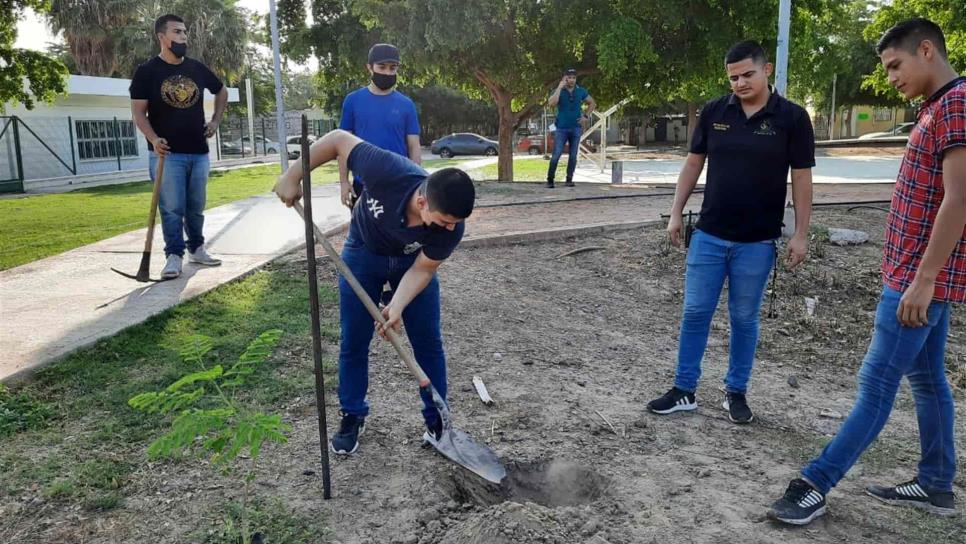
(39, 226)
(90, 441)
(275, 521)
(523, 170)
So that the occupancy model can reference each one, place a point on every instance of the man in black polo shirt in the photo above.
(751, 138)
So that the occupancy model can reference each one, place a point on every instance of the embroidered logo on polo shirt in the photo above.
(412, 248)
(374, 207)
(720, 126)
(765, 129)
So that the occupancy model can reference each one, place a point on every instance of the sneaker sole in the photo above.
(925, 506)
(727, 408)
(355, 449)
(804, 521)
(204, 263)
(675, 408)
(428, 439)
(170, 276)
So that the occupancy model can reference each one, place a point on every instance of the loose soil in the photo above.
(571, 349)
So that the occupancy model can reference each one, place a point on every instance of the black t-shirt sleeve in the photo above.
(141, 84)
(699, 140)
(801, 144)
(210, 80)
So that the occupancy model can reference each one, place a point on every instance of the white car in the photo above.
(294, 144)
(900, 131)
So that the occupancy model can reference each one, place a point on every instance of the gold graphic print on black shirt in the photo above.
(180, 92)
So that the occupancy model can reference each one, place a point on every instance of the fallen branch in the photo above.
(607, 421)
(580, 250)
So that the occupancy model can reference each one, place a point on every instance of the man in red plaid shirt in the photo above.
(924, 272)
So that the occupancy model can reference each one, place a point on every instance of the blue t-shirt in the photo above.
(381, 120)
(379, 218)
(569, 106)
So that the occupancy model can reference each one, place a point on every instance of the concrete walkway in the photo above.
(827, 170)
(55, 305)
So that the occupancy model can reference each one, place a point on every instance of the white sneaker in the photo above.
(200, 256)
(172, 268)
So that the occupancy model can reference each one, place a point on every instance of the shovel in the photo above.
(454, 444)
(144, 270)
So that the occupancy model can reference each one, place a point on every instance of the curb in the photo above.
(497, 240)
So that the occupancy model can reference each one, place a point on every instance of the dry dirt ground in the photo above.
(571, 348)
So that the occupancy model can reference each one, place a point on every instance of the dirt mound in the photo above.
(548, 483)
(510, 523)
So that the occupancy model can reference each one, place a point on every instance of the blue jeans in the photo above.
(896, 351)
(182, 199)
(710, 261)
(421, 319)
(561, 137)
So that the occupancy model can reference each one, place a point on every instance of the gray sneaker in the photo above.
(172, 268)
(200, 256)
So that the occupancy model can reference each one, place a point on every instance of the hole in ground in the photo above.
(548, 483)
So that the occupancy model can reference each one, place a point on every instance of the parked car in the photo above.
(900, 131)
(294, 145)
(464, 143)
(262, 146)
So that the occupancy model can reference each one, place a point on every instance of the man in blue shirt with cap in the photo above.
(380, 115)
(569, 99)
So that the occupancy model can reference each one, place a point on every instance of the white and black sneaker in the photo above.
(675, 400)
(912, 493)
(800, 505)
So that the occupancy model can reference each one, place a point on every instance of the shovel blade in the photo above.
(459, 447)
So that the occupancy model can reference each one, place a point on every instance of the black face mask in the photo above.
(384, 81)
(433, 227)
(179, 49)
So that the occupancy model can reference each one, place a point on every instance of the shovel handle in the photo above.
(404, 353)
(153, 213)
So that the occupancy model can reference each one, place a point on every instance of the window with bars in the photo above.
(883, 114)
(98, 139)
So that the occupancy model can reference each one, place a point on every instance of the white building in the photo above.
(87, 131)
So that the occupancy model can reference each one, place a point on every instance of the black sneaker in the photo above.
(942, 503)
(675, 400)
(346, 441)
(568, 184)
(737, 407)
(549, 185)
(801, 504)
(434, 431)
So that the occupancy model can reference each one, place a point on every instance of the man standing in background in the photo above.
(569, 99)
(380, 115)
(168, 108)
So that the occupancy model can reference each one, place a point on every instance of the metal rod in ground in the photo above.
(314, 307)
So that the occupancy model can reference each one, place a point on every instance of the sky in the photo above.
(32, 31)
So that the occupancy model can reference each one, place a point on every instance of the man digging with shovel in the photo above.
(407, 223)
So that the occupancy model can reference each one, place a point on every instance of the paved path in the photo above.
(55, 305)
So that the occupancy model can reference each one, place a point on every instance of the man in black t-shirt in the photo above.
(167, 102)
(750, 138)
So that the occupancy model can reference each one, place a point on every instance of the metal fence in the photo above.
(234, 138)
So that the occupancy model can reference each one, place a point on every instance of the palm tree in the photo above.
(111, 37)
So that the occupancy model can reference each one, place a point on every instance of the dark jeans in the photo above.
(421, 319)
(561, 137)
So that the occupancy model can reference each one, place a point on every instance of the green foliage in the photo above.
(209, 419)
(20, 411)
(46, 76)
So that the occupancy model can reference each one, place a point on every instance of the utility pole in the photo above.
(279, 104)
(781, 57)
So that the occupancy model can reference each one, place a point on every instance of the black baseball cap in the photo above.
(383, 52)
(570, 72)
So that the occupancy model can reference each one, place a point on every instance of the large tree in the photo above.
(45, 77)
(111, 37)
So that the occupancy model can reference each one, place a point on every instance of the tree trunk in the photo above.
(692, 120)
(507, 124)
